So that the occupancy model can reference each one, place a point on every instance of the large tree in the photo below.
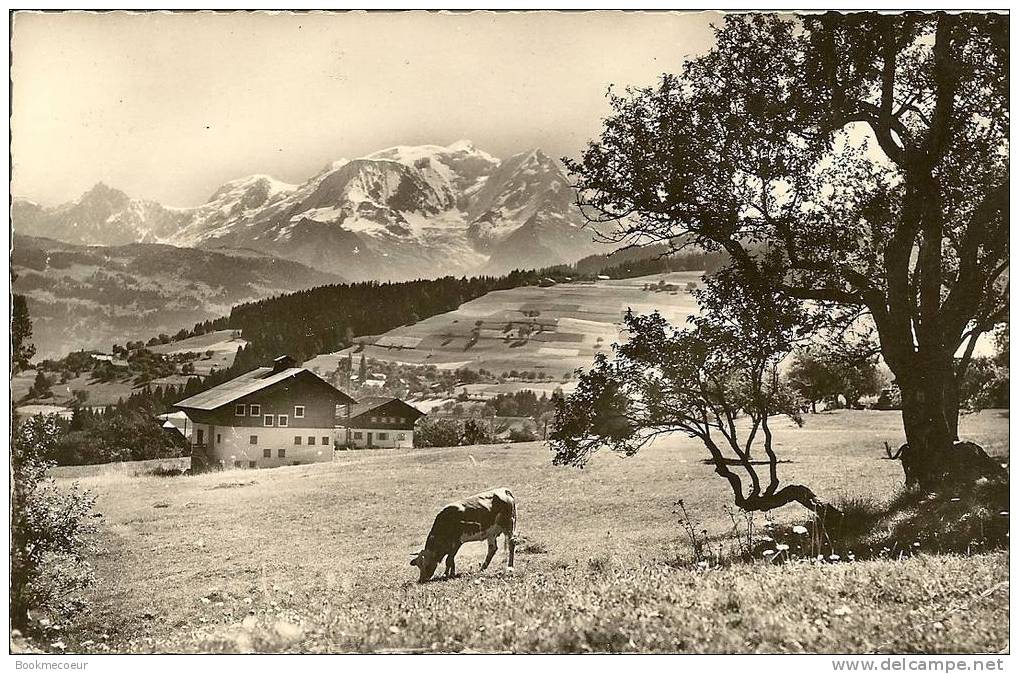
(857, 163)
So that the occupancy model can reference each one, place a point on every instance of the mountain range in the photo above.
(401, 213)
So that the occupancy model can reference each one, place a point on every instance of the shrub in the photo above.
(476, 432)
(167, 470)
(51, 529)
(437, 433)
(522, 435)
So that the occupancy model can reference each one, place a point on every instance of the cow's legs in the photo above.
(451, 562)
(493, 546)
(510, 547)
(511, 542)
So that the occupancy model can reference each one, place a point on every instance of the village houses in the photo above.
(381, 423)
(272, 416)
(285, 415)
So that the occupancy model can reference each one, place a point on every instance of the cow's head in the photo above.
(425, 561)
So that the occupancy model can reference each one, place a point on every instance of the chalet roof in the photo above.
(366, 405)
(245, 384)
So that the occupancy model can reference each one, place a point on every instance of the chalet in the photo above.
(381, 422)
(112, 360)
(176, 423)
(271, 416)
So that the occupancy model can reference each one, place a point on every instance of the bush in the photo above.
(437, 433)
(452, 433)
(522, 435)
(476, 432)
(51, 529)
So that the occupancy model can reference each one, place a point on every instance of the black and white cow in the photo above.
(484, 516)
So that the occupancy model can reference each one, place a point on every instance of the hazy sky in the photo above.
(170, 106)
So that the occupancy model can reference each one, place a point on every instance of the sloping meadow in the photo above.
(315, 558)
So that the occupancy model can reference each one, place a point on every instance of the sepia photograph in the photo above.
(510, 332)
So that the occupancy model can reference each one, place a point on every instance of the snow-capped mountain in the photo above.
(403, 212)
(103, 216)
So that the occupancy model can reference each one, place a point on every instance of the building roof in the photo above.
(366, 405)
(246, 384)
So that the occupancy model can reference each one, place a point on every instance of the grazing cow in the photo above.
(481, 517)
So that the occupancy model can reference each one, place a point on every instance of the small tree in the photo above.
(716, 381)
(812, 378)
(476, 432)
(824, 374)
(41, 386)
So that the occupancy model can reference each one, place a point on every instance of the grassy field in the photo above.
(548, 330)
(315, 558)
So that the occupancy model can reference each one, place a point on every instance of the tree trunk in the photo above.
(929, 434)
(933, 458)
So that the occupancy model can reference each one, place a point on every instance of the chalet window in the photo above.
(375, 420)
(267, 420)
(255, 410)
(240, 410)
(325, 440)
(358, 435)
(298, 411)
(266, 453)
(281, 453)
(297, 439)
(219, 438)
(383, 436)
(311, 439)
(252, 464)
(252, 439)
(283, 421)
(401, 436)
(403, 420)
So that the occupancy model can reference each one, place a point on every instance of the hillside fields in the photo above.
(551, 330)
(218, 349)
(315, 558)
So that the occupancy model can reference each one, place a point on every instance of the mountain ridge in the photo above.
(90, 297)
(399, 213)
